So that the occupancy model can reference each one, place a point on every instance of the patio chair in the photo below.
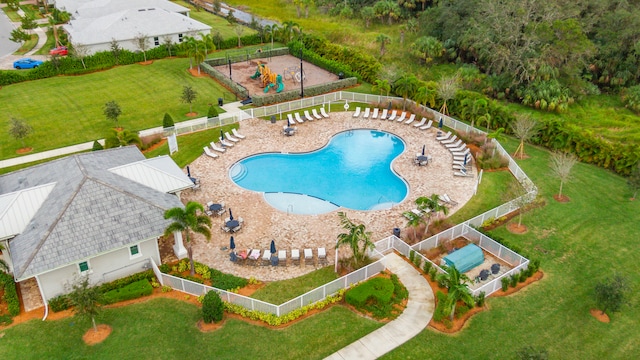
(266, 257)
(230, 138)
(225, 229)
(449, 200)
(402, 117)
(208, 152)
(322, 256)
(315, 114)
(298, 118)
(462, 173)
(384, 114)
(411, 119)
(307, 115)
(225, 142)
(235, 132)
(217, 148)
(206, 208)
(393, 115)
(323, 113)
(357, 112)
(282, 257)
(295, 256)
(420, 123)
(254, 256)
(290, 118)
(443, 136)
(308, 257)
(453, 145)
(375, 113)
(428, 126)
(449, 140)
(460, 148)
(367, 111)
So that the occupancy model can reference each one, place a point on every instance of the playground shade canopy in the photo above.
(465, 259)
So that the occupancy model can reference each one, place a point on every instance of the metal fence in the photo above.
(315, 295)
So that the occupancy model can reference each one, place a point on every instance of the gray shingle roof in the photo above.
(90, 211)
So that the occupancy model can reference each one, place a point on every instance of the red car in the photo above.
(60, 51)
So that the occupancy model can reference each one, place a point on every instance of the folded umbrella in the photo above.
(423, 149)
(273, 247)
(440, 123)
(188, 171)
(230, 215)
(232, 244)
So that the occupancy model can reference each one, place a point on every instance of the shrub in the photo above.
(505, 283)
(167, 122)
(523, 276)
(212, 307)
(438, 313)
(417, 261)
(5, 320)
(224, 281)
(59, 303)
(480, 299)
(164, 268)
(212, 112)
(132, 291)
(377, 289)
(10, 293)
(166, 289)
(514, 279)
(97, 146)
(631, 98)
(412, 255)
(149, 141)
(461, 310)
(433, 273)
(426, 267)
(147, 275)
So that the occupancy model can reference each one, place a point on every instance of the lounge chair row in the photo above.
(369, 113)
(227, 141)
(461, 153)
(309, 117)
(257, 257)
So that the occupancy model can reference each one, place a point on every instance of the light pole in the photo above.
(336, 261)
(301, 76)
(229, 60)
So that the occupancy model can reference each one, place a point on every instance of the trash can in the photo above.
(273, 119)
(396, 232)
(220, 102)
(340, 75)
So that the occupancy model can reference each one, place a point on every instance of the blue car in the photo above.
(27, 63)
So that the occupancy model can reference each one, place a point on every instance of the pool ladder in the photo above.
(289, 209)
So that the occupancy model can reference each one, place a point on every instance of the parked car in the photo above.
(60, 50)
(27, 63)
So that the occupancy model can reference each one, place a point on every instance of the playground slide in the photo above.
(269, 86)
(257, 73)
(280, 84)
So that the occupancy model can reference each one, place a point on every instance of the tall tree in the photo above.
(239, 29)
(19, 130)
(447, 89)
(426, 94)
(188, 96)
(80, 51)
(428, 48)
(28, 23)
(406, 86)
(86, 300)
(188, 219)
(458, 286)
(524, 128)
(381, 85)
(356, 237)
(141, 41)
(383, 40)
(367, 14)
(112, 111)
(168, 43)
(272, 30)
(611, 293)
(561, 164)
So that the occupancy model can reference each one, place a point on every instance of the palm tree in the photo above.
(458, 287)
(428, 47)
(431, 206)
(207, 42)
(406, 86)
(288, 30)
(122, 138)
(414, 220)
(383, 40)
(188, 220)
(272, 30)
(426, 96)
(355, 235)
(190, 44)
(381, 86)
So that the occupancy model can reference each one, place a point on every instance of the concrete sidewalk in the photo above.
(413, 320)
(48, 154)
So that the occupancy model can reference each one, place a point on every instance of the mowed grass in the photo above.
(278, 292)
(67, 110)
(166, 329)
(217, 23)
(579, 243)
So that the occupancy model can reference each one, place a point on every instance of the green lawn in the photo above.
(278, 292)
(166, 329)
(27, 45)
(579, 243)
(61, 112)
(50, 44)
(217, 23)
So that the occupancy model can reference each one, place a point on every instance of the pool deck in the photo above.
(291, 231)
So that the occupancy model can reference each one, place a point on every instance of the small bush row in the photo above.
(147, 275)
(10, 293)
(378, 290)
(133, 290)
(218, 279)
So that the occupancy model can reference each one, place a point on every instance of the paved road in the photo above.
(6, 46)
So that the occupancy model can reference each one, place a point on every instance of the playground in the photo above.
(277, 73)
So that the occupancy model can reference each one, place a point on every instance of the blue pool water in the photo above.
(352, 171)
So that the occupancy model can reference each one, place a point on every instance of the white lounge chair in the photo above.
(322, 256)
(411, 118)
(460, 148)
(462, 173)
(208, 152)
(323, 113)
(453, 145)
(295, 256)
(458, 166)
(384, 114)
(290, 117)
(230, 138)
(420, 123)
(266, 257)
(298, 118)
(402, 117)
(217, 148)
(448, 200)
(443, 137)
(375, 113)
(394, 113)
(225, 142)
(367, 111)
(282, 257)
(449, 140)
(357, 112)
(461, 153)
(307, 115)
(428, 126)
(235, 132)
(315, 114)
(308, 257)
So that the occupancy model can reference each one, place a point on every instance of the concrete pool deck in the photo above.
(291, 231)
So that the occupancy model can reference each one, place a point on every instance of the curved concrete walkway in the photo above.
(412, 321)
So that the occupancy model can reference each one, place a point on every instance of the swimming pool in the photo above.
(353, 171)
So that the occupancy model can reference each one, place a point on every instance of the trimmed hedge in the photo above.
(147, 275)
(261, 100)
(229, 83)
(224, 281)
(10, 293)
(378, 289)
(248, 56)
(59, 303)
(134, 290)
